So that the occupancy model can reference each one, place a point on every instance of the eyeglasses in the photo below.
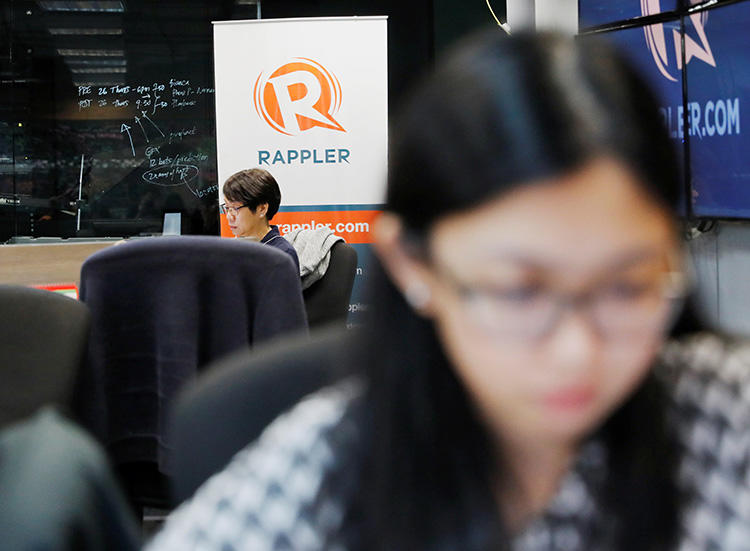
(618, 308)
(224, 209)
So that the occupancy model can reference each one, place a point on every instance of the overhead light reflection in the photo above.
(86, 31)
(89, 53)
(92, 6)
(99, 70)
(73, 62)
(117, 81)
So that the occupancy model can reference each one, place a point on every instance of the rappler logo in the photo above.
(298, 96)
(657, 40)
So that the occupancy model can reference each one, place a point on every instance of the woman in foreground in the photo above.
(521, 384)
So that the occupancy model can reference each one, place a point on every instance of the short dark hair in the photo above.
(253, 187)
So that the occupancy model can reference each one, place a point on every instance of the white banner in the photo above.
(307, 100)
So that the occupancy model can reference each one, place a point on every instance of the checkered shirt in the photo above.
(289, 490)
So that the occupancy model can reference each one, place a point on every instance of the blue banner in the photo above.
(656, 52)
(600, 12)
(717, 46)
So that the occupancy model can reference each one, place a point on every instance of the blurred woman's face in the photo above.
(550, 300)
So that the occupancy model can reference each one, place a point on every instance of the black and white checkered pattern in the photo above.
(275, 494)
(289, 490)
(711, 382)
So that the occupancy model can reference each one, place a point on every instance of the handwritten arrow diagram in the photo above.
(138, 121)
(126, 128)
(145, 116)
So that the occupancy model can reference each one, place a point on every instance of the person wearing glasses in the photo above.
(251, 199)
(530, 378)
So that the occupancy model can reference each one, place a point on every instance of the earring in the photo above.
(418, 295)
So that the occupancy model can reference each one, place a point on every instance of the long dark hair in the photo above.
(499, 113)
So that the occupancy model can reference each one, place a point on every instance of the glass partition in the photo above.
(107, 116)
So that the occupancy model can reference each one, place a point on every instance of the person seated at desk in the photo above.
(527, 380)
(252, 198)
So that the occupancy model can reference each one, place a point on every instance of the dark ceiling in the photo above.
(39, 38)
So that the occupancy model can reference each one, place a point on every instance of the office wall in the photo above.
(722, 265)
(561, 15)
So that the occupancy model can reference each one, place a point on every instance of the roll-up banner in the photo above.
(307, 100)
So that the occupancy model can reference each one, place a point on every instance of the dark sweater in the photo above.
(275, 239)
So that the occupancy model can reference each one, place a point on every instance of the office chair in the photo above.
(237, 398)
(43, 337)
(162, 309)
(57, 491)
(327, 300)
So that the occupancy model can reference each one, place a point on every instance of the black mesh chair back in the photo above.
(327, 300)
(237, 398)
(163, 309)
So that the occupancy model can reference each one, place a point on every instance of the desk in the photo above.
(46, 263)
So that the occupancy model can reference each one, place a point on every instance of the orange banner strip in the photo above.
(355, 226)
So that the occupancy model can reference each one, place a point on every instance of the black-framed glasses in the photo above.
(620, 307)
(224, 209)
